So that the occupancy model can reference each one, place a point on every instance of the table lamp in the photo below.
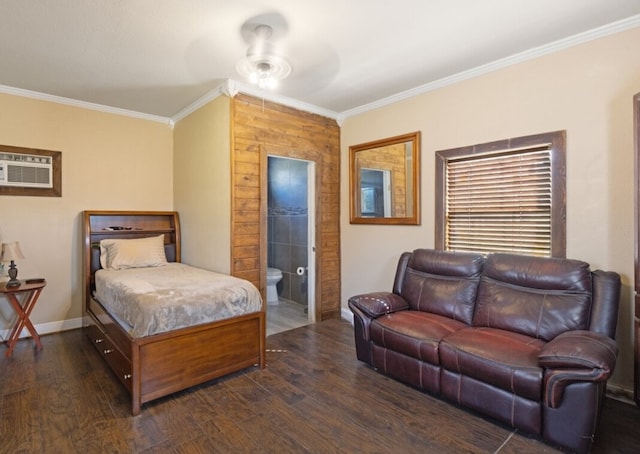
(10, 253)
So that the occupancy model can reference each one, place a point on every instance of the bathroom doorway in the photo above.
(290, 243)
(375, 188)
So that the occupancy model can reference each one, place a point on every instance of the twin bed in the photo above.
(160, 325)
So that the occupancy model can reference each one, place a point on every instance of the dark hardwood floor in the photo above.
(314, 396)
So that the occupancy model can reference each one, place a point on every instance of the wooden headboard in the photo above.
(98, 225)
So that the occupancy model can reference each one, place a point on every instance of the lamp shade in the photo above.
(11, 251)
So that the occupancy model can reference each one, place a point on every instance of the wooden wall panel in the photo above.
(262, 128)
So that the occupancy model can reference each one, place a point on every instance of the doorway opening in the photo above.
(375, 193)
(290, 243)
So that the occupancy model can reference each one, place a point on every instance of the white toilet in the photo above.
(273, 277)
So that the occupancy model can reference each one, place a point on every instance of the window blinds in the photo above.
(500, 202)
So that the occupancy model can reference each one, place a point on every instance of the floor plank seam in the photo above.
(505, 442)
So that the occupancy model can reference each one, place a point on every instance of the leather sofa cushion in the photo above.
(446, 263)
(544, 273)
(413, 333)
(501, 358)
(538, 297)
(443, 283)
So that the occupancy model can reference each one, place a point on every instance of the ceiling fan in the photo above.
(262, 65)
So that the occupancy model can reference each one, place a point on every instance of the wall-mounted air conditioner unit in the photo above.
(27, 171)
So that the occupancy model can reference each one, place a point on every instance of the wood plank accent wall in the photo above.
(259, 129)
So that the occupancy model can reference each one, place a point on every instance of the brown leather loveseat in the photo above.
(528, 341)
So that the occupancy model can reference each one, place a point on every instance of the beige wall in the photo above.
(202, 163)
(586, 90)
(108, 162)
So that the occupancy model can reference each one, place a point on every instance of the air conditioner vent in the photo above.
(25, 170)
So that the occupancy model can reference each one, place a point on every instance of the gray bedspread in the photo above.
(159, 299)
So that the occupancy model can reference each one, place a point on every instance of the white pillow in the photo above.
(134, 253)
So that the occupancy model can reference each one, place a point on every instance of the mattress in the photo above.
(155, 300)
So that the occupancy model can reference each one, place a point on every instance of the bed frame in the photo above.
(158, 365)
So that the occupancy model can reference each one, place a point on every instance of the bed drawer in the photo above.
(112, 330)
(118, 363)
(114, 358)
(95, 335)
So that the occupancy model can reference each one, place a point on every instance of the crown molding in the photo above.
(580, 38)
(210, 96)
(82, 104)
(230, 87)
(252, 90)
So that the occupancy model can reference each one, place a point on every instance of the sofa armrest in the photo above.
(365, 308)
(575, 356)
(373, 305)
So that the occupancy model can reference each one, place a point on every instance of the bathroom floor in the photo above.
(284, 316)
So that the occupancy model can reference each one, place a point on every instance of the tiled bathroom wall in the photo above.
(287, 225)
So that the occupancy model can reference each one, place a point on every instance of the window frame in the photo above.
(556, 141)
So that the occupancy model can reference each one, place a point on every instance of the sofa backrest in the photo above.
(440, 282)
(539, 297)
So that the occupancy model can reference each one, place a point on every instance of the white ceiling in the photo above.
(158, 57)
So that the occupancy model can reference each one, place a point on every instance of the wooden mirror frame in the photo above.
(407, 213)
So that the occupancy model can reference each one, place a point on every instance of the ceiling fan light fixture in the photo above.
(259, 69)
(262, 76)
(262, 66)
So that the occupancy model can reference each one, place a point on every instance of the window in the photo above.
(505, 196)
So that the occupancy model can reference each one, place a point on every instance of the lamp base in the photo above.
(13, 283)
(13, 275)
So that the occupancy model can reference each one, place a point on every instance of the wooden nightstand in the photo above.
(31, 293)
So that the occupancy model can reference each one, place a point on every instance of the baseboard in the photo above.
(48, 328)
(346, 314)
(619, 393)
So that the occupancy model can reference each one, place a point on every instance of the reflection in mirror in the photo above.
(384, 181)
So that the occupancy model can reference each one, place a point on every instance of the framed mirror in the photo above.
(384, 181)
